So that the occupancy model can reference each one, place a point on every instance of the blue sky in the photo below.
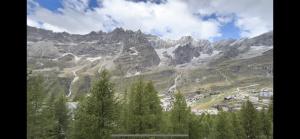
(52, 5)
(204, 25)
(228, 29)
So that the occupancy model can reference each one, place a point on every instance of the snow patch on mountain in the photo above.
(76, 58)
(203, 58)
(135, 52)
(169, 51)
(92, 59)
(132, 74)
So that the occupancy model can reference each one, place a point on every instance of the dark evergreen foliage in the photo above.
(138, 111)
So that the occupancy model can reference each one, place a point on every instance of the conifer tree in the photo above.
(179, 115)
(204, 126)
(250, 121)
(166, 126)
(238, 130)
(124, 114)
(144, 110)
(35, 96)
(265, 123)
(95, 117)
(138, 109)
(61, 117)
(48, 122)
(270, 110)
(195, 127)
(223, 127)
(212, 124)
(154, 114)
(270, 115)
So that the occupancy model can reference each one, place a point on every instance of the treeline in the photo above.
(138, 111)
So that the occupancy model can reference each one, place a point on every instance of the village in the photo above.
(259, 97)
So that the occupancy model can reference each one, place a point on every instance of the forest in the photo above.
(136, 111)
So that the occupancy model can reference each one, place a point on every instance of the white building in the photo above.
(266, 94)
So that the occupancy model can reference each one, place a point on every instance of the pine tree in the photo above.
(212, 123)
(195, 127)
(85, 121)
(250, 120)
(95, 118)
(270, 115)
(270, 110)
(35, 96)
(154, 114)
(223, 127)
(265, 123)
(143, 108)
(204, 126)
(138, 109)
(61, 117)
(238, 130)
(179, 115)
(166, 126)
(124, 113)
(48, 122)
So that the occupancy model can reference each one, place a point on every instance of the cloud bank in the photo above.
(171, 19)
(252, 17)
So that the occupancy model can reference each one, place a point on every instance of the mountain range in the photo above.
(195, 67)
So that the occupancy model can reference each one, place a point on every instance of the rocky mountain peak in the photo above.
(118, 30)
(139, 31)
(185, 40)
(92, 33)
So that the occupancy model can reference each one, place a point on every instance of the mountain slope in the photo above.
(196, 67)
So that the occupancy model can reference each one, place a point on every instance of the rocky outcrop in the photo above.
(137, 54)
(131, 50)
(189, 48)
(184, 54)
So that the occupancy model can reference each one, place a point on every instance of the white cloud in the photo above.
(45, 26)
(253, 17)
(171, 20)
(252, 26)
(33, 23)
(52, 27)
(173, 16)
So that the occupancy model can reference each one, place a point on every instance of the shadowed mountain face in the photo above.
(185, 64)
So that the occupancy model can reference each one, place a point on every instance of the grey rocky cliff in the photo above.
(129, 49)
(137, 53)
